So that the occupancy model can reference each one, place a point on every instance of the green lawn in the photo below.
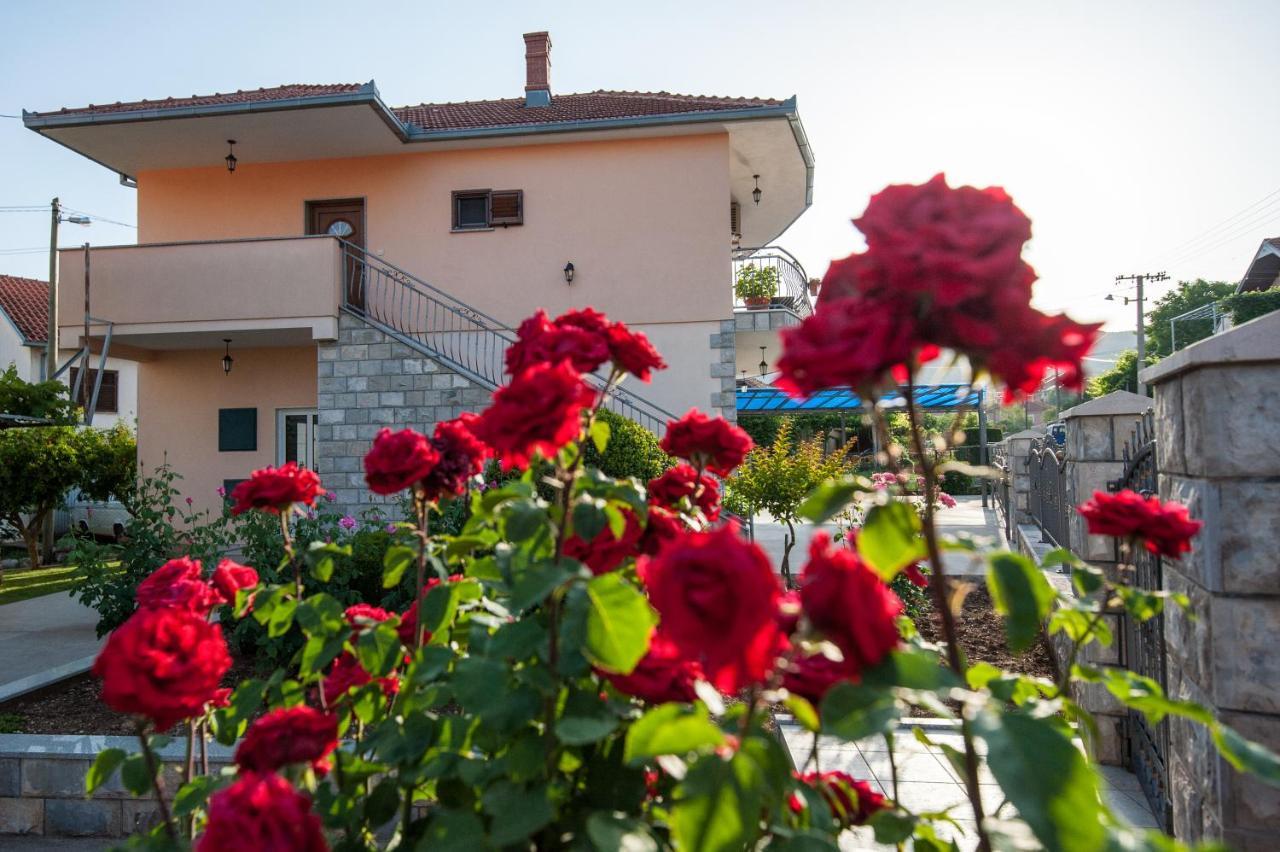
(21, 585)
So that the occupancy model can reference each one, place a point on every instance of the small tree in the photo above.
(109, 465)
(1187, 296)
(47, 400)
(38, 466)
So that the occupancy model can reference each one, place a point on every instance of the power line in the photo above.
(98, 218)
(1209, 233)
(1252, 225)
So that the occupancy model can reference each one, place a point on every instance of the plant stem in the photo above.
(188, 771)
(288, 549)
(942, 600)
(157, 783)
(423, 509)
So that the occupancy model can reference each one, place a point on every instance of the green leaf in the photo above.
(1045, 777)
(523, 518)
(517, 811)
(193, 795)
(853, 711)
(103, 767)
(1021, 593)
(829, 499)
(395, 562)
(911, 669)
(890, 538)
(320, 556)
(585, 719)
(718, 805)
(322, 615)
(1086, 579)
(589, 518)
(439, 608)
(671, 729)
(378, 649)
(452, 831)
(1246, 755)
(381, 805)
(1061, 556)
(609, 832)
(135, 775)
(600, 434)
(281, 617)
(803, 711)
(538, 581)
(619, 623)
(319, 652)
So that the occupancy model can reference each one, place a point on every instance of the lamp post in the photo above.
(51, 345)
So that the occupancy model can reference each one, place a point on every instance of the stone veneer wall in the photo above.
(1217, 409)
(724, 348)
(367, 381)
(42, 786)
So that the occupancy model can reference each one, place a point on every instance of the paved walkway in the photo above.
(44, 639)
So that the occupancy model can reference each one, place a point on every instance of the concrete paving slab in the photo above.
(45, 639)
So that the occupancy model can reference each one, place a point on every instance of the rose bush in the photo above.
(561, 679)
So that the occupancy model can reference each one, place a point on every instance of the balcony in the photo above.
(776, 270)
(264, 292)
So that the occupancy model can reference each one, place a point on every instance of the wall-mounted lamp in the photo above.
(756, 193)
(764, 363)
(227, 360)
(568, 272)
(231, 155)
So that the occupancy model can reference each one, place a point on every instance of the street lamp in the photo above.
(227, 360)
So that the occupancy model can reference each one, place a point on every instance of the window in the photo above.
(237, 430)
(108, 394)
(481, 209)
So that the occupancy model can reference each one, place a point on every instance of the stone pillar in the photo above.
(1096, 433)
(1017, 451)
(1218, 431)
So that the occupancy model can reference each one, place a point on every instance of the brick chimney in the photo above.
(537, 61)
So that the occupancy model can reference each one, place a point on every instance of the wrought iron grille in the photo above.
(793, 282)
(1048, 495)
(436, 324)
(1144, 649)
(1000, 461)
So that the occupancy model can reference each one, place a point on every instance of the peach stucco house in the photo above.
(367, 263)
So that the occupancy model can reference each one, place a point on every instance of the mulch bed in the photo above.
(981, 632)
(73, 706)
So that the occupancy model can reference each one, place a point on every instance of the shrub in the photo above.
(756, 282)
(1246, 306)
(47, 400)
(632, 451)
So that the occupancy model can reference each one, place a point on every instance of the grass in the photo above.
(20, 585)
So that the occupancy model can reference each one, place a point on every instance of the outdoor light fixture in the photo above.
(756, 193)
(764, 364)
(568, 272)
(231, 159)
(227, 360)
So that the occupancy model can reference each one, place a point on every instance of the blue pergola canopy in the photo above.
(927, 397)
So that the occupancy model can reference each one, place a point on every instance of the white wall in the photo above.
(128, 395)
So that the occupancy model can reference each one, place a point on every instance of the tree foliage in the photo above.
(38, 466)
(1246, 306)
(1123, 375)
(632, 450)
(47, 400)
(1187, 296)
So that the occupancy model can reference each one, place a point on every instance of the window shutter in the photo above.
(506, 207)
(108, 393)
(735, 220)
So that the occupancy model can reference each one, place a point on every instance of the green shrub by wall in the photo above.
(1246, 306)
(632, 450)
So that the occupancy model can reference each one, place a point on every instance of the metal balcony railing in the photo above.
(440, 326)
(792, 291)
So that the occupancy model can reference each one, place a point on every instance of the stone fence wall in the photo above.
(42, 786)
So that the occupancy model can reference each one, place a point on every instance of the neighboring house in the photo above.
(24, 331)
(368, 263)
(1264, 270)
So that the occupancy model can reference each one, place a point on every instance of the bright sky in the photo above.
(1132, 133)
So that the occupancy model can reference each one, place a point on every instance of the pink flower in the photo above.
(348, 523)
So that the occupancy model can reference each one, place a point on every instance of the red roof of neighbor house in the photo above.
(588, 106)
(463, 115)
(26, 301)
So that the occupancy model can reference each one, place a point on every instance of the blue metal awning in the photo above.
(927, 397)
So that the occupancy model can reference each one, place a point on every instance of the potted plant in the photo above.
(756, 285)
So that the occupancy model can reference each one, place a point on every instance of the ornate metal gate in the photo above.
(1147, 744)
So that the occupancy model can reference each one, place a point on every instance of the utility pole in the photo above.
(51, 347)
(1140, 280)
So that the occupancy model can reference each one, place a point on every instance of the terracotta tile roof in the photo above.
(589, 106)
(26, 301)
(275, 93)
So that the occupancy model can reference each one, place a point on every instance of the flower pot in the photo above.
(757, 303)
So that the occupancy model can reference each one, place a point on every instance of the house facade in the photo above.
(24, 333)
(364, 266)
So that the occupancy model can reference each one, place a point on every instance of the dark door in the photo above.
(343, 218)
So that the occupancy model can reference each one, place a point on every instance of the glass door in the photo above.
(296, 436)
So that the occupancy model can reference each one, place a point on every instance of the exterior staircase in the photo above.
(430, 321)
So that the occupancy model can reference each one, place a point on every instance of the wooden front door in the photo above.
(343, 218)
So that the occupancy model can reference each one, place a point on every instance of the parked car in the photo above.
(1058, 431)
(103, 520)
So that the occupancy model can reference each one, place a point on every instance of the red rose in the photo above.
(164, 664)
(1165, 528)
(811, 675)
(262, 811)
(663, 674)
(682, 482)
(915, 575)
(364, 615)
(274, 489)
(851, 800)
(709, 443)
(633, 353)
(539, 412)
(660, 527)
(855, 343)
(178, 583)
(347, 674)
(846, 601)
(398, 460)
(718, 597)
(298, 734)
(789, 609)
(579, 337)
(462, 456)
(606, 551)
(230, 577)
